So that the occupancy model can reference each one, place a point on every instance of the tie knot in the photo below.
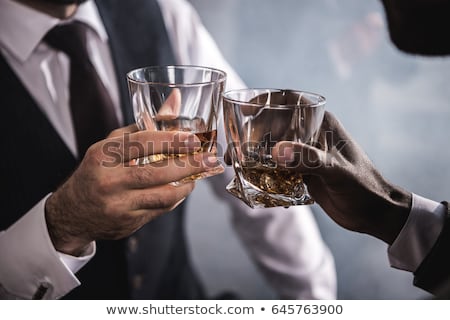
(69, 38)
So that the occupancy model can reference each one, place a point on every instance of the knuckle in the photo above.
(152, 200)
(114, 133)
(93, 155)
(104, 184)
(143, 176)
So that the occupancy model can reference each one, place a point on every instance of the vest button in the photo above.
(137, 281)
(133, 244)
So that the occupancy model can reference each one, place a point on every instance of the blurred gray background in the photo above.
(396, 106)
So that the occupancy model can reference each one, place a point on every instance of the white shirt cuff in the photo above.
(418, 235)
(74, 264)
(30, 261)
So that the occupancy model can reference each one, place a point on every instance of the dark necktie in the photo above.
(92, 110)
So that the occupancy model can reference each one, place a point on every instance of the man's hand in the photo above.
(341, 178)
(110, 197)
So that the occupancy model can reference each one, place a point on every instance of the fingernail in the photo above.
(285, 154)
(211, 163)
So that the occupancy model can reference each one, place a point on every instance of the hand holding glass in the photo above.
(178, 98)
(255, 121)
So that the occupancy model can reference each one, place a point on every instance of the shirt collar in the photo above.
(22, 28)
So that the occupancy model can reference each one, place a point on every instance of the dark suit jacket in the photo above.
(37, 162)
(433, 274)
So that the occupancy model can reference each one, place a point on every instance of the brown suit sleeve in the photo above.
(433, 274)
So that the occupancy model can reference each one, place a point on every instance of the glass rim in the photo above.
(321, 99)
(222, 75)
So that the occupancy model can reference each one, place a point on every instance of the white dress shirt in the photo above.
(285, 243)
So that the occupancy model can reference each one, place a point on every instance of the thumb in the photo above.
(299, 156)
(172, 106)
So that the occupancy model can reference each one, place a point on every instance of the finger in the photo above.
(162, 198)
(339, 142)
(166, 171)
(147, 204)
(121, 131)
(154, 213)
(140, 144)
(171, 107)
(299, 156)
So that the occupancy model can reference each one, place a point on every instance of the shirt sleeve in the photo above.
(285, 243)
(30, 267)
(418, 235)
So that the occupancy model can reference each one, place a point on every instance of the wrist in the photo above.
(59, 231)
(393, 215)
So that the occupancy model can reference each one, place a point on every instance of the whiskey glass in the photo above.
(178, 98)
(255, 121)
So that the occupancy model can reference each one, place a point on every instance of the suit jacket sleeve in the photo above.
(433, 274)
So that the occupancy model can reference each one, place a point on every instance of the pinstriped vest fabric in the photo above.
(151, 264)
